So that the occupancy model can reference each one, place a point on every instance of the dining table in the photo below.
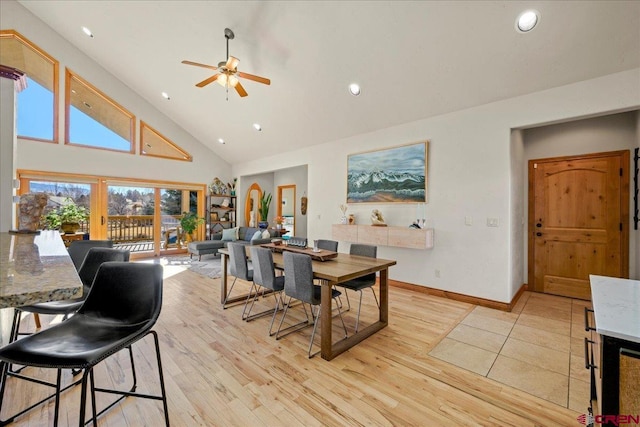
(34, 268)
(331, 272)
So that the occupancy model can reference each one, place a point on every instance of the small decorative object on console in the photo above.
(343, 219)
(377, 218)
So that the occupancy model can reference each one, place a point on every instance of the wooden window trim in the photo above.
(143, 125)
(56, 67)
(69, 75)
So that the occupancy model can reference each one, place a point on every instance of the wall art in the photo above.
(390, 175)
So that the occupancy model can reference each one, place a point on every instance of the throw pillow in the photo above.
(266, 234)
(249, 232)
(229, 234)
(257, 235)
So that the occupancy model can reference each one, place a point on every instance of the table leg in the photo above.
(223, 278)
(325, 320)
(329, 350)
(384, 296)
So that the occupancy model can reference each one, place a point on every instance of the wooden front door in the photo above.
(578, 221)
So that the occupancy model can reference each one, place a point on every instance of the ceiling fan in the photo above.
(228, 71)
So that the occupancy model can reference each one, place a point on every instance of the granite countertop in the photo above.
(616, 305)
(36, 268)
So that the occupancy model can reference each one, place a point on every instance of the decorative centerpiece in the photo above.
(263, 209)
(31, 208)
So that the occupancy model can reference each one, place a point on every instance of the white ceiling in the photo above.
(413, 59)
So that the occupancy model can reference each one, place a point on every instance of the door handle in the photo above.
(538, 234)
(538, 225)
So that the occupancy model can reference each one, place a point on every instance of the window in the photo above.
(37, 116)
(94, 119)
(152, 143)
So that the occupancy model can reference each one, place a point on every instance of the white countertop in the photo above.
(616, 303)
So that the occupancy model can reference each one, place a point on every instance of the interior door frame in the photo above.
(279, 202)
(624, 208)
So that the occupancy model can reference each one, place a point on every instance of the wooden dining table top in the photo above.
(339, 269)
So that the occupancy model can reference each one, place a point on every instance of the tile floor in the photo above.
(537, 348)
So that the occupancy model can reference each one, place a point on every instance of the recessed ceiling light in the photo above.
(221, 141)
(257, 127)
(165, 95)
(87, 31)
(354, 89)
(527, 20)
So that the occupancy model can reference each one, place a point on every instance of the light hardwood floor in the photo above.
(221, 371)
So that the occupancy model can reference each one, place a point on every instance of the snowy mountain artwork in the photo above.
(388, 176)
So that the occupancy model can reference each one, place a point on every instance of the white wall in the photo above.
(61, 158)
(518, 211)
(470, 174)
(598, 134)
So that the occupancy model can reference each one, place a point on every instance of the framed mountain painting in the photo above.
(391, 175)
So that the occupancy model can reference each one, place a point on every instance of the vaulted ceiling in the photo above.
(412, 59)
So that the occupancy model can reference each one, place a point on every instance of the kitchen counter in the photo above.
(616, 305)
(36, 268)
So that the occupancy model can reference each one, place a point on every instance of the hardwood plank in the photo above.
(222, 371)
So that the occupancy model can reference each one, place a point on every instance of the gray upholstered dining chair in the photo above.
(360, 283)
(238, 266)
(298, 284)
(328, 245)
(264, 276)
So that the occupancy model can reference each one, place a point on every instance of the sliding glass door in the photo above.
(143, 217)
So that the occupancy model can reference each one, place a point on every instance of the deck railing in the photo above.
(134, 228)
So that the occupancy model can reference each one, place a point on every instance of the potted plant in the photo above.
(263, 209)
(67, 217)
(189, 222)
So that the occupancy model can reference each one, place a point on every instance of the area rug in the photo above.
(209, 265)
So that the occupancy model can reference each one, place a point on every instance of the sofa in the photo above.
(242, 235)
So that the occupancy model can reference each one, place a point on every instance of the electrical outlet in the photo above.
(437, 273)
(468, 220)
(492, 222)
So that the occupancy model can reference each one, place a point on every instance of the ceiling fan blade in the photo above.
(254, 78)
(197, 64)
(232, 63)
(241, 90)
(209, 80)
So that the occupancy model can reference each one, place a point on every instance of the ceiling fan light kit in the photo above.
(227, 71)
